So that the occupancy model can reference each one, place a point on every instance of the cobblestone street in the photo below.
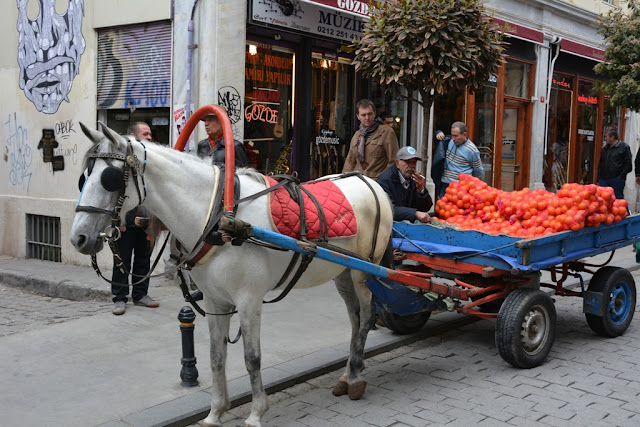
(459, 378)
(23, 311)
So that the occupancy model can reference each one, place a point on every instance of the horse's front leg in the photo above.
(250, 311)
(218, 333)
(357, 297)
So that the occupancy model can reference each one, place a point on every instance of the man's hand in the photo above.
(440, 136)
(423, 217)
(419, 179)
(638, 180)
(141, 221)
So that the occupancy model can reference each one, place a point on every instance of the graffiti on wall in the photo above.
(49, 51)
(229, 99)
(132, 67)
(18, 153)
(47, 144)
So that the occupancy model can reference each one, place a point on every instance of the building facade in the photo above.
(283, 71)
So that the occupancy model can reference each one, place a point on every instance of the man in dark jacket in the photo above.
(405, 187)
(133, 245)
(615, 163)
(213, 146)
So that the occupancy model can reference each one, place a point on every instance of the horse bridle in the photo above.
(115, 179)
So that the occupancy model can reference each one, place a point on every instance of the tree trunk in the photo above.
(427, 102)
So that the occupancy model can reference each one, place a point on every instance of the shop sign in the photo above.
(359, 7)
(561, 83)
(309, 18)
(588, 99)
(327, 136)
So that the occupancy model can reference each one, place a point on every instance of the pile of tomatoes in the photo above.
(474, 205)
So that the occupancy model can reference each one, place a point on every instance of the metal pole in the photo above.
(189, 372)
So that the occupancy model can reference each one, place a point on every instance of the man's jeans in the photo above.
(616, 183)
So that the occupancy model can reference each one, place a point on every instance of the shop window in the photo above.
(586, 141)
(393, 105)
(611, 118)
(268, 122)
(516, 81)
(448, 109)
(485, 114)
(156, 118)
(332, 100)
(558, 132)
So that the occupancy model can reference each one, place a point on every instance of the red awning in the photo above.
(520, 32)
(582, 50)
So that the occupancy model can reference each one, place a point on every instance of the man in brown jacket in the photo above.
(373, 148)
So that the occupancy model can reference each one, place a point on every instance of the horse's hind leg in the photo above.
(357, 298)
(250, 316)
(218, 332)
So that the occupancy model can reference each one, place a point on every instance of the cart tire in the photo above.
(404, 324)
(526, 328)
(619, 301)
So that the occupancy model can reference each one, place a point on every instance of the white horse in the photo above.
(179, 192)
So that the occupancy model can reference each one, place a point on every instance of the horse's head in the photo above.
(104, 194)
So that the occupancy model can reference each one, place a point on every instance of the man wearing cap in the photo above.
(213, 146)
(405, 187)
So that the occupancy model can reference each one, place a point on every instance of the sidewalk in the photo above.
(124, 371)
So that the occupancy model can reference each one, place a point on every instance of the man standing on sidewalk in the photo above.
(133, 243)
(373, 148)
(461, 156)
(615, 163)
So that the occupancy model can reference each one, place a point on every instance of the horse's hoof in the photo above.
(340, 389)
(356, 390)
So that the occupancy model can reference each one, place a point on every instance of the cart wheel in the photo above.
(404, 324)
(619, 300)
(526, 328)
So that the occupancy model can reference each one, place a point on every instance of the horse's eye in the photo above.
(112, 179)
(81, 182)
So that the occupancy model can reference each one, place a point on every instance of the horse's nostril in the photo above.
(81, 240)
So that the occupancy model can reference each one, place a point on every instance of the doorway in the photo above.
(514, 146)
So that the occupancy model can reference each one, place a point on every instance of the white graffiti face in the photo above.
(49, 51)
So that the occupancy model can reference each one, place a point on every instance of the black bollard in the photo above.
(189, 372)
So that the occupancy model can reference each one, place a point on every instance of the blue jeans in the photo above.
(616, 183)
(443, 188)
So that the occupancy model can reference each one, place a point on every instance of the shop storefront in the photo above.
(501, 121)
(134, 77)
(578, 118)
(301, 88)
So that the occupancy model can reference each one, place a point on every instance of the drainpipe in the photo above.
(190, 47)
(555, 40)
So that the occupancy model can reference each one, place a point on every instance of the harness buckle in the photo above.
(110, 234)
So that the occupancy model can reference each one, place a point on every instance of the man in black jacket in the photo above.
(133, 245)
(213, 145)
(615, 163)
(405, 187)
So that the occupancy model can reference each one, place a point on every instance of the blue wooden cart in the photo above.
(496, 277)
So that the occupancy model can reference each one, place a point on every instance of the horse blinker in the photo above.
(112, 179)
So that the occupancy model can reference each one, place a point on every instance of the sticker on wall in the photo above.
(47, 144)
(229, 99)
(49, 51)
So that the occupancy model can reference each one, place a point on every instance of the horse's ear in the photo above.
(93, 135)
(111, 134)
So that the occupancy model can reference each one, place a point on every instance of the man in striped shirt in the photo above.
(462, 156)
